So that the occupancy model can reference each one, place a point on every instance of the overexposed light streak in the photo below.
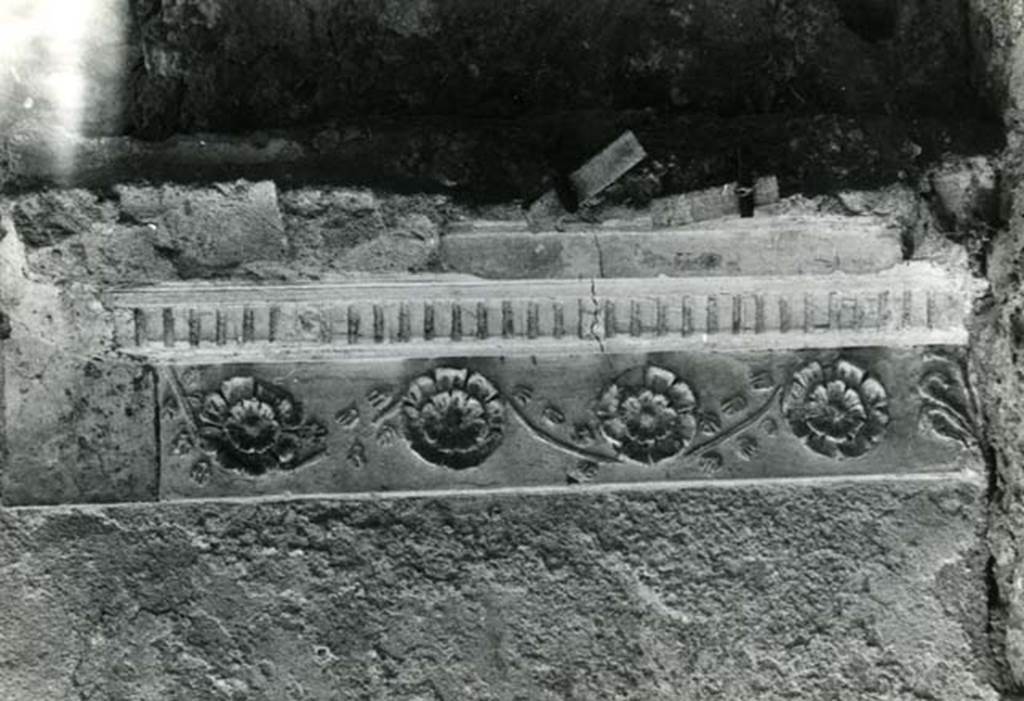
(59, 59)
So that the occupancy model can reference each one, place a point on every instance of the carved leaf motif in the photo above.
(554, 415)
(734, 405)
(200, 471)
(747, 447)
(182, 443)
(348, 417)
(709, 423)
(944, 424)
(582, 472)
(584, 433)
(170, 407)
(356, 456)
(209, 440)
(946, 405)
(710, 464)
(380, 398)
(522, 393)
(387, 435)
(761, 380)
(191, 379)
(193, 403)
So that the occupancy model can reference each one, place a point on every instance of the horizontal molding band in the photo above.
(914, 304)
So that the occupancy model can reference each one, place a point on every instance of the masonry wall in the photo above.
(888, 588)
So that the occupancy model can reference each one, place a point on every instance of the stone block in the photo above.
(710, 203)
(966, 194)
(334, 219)
(77, 430)
(614, 161)
(210, 229)
(353, 230)
(587, 181)
(78, 419)
(461, 425)
(46, 218)
(871, 590)
(350, 387)
(763, 245)
(107, 254)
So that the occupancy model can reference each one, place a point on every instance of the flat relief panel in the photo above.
(466, 423)
(457, 383)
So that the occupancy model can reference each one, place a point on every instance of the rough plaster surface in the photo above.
(207, 230)
(138, 233)
(71, 409)
(1000, 337)
(870, 591)
(356, 229)
(998, 29)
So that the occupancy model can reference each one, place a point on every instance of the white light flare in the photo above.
(61, 69)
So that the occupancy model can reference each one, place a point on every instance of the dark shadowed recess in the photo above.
(496, 99)
(250, 64)
(501, 160)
